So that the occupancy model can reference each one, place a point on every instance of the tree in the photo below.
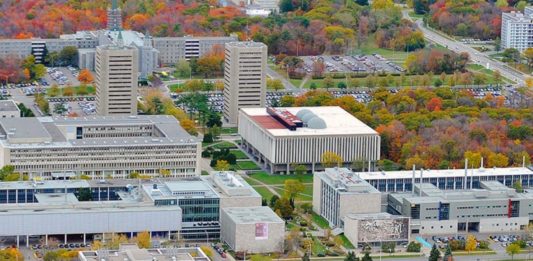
(53, 91)
(331, 159)
(143, 239)
(366, 257)
(361, 2)
(274, 84)
(59, 108)
(68, 91)
(351, 257)
(388, 247)
(414, 247)
(299, 170)
(213, 119)
(521, 5)
(116, 240)
(471, 243)
(518, 186)
(328, 82)
(82, 90)
(286, 6)
(69, 56)
(382, 4)
(501, 3)
(292, 188)
(305, 257)
(42, 103)
(448, 256)
(183, 68)
(434, 255)
(273, 200)
(85, 76)
(512, 250)
(222, 165)
(283, 208)
(341, 85)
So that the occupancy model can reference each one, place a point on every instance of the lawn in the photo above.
(296, 82)
(413, 15)
(370, 47)
(239, 154)
(264, 192)
(228, 130)
(320, 221)
(299, 197)
(175, 87)
(225, 145)
(247, 165)
(279, 179)
(345, 242)
(90, 91)
(318, 248)
(250, 181)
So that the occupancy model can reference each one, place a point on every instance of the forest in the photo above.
(438, 128)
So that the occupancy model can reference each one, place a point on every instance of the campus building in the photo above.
(98, 146)
(336, 191)
(9, 109)
(447, 179)
(131, 252)
(376, 228)
(281, 137)
(114, 17)
(244, 77)
(173, 49)
(116, 79)
(252, 229)
(494, 208)
(184, 209)
(517, 29)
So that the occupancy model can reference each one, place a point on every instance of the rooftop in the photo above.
(490, 190)
(345, 181)
(8, 105)
(327, 120)
(441, 173)
(131, 252)
(60, 131)
(382, 215)
(192, 188)
(252, 215)
(228, 184)
(246, 44)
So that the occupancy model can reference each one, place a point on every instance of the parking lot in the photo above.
(79, 106)
(62, 76)
(353, 64)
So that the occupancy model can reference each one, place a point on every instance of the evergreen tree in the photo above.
(361, 2)
(306, 257)
(434, 255)
(448, 254)
(286, 6)
(351, 257)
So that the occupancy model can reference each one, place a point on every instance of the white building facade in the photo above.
(517, 30)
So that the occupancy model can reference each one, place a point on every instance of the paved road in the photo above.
(286, 83)
(475, 56)
(18, 96)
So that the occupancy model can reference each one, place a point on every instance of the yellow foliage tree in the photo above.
(474, 158)
(143, 240)
(497, 160)
(331, 159)
(222, 165)
(471, 243)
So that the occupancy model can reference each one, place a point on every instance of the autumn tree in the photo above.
(471, 243)
(331, 159)
(512, 249)
(85, 76)
(222, 165)
(292, 188)
(143, 239)
(183, 68)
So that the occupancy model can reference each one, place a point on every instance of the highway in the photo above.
(475, 56)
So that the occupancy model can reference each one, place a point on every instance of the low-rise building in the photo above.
(280, 137)
(9, 109)
(98, 146)
(131, 252)
(338, 192)
(376, 228)
(233, 190)
(252, 229)
(494, 208)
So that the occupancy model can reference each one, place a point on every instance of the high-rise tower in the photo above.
(114, 17)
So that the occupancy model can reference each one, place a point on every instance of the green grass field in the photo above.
(264, 192)
(239, 154)
(279, 179)
(299, 197)
(228, 130)
(320, 221)
(225, 145)
(175, 87)
(247, 165)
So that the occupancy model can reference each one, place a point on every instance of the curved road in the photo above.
(475, 56)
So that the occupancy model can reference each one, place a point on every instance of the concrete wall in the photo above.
(436, 227)
(359, 204)
(494, 225)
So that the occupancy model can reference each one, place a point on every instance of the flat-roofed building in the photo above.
(376, 228)
(494, 208)
(98, 146)
(116, 70)
(9, 109)
(244, 77)
(336, 191)
(131, 252)
(233, 190)
(447, 179)
(281, 137)
(173, 49)
(252, 229)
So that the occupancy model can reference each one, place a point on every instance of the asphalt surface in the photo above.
(475, 56)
